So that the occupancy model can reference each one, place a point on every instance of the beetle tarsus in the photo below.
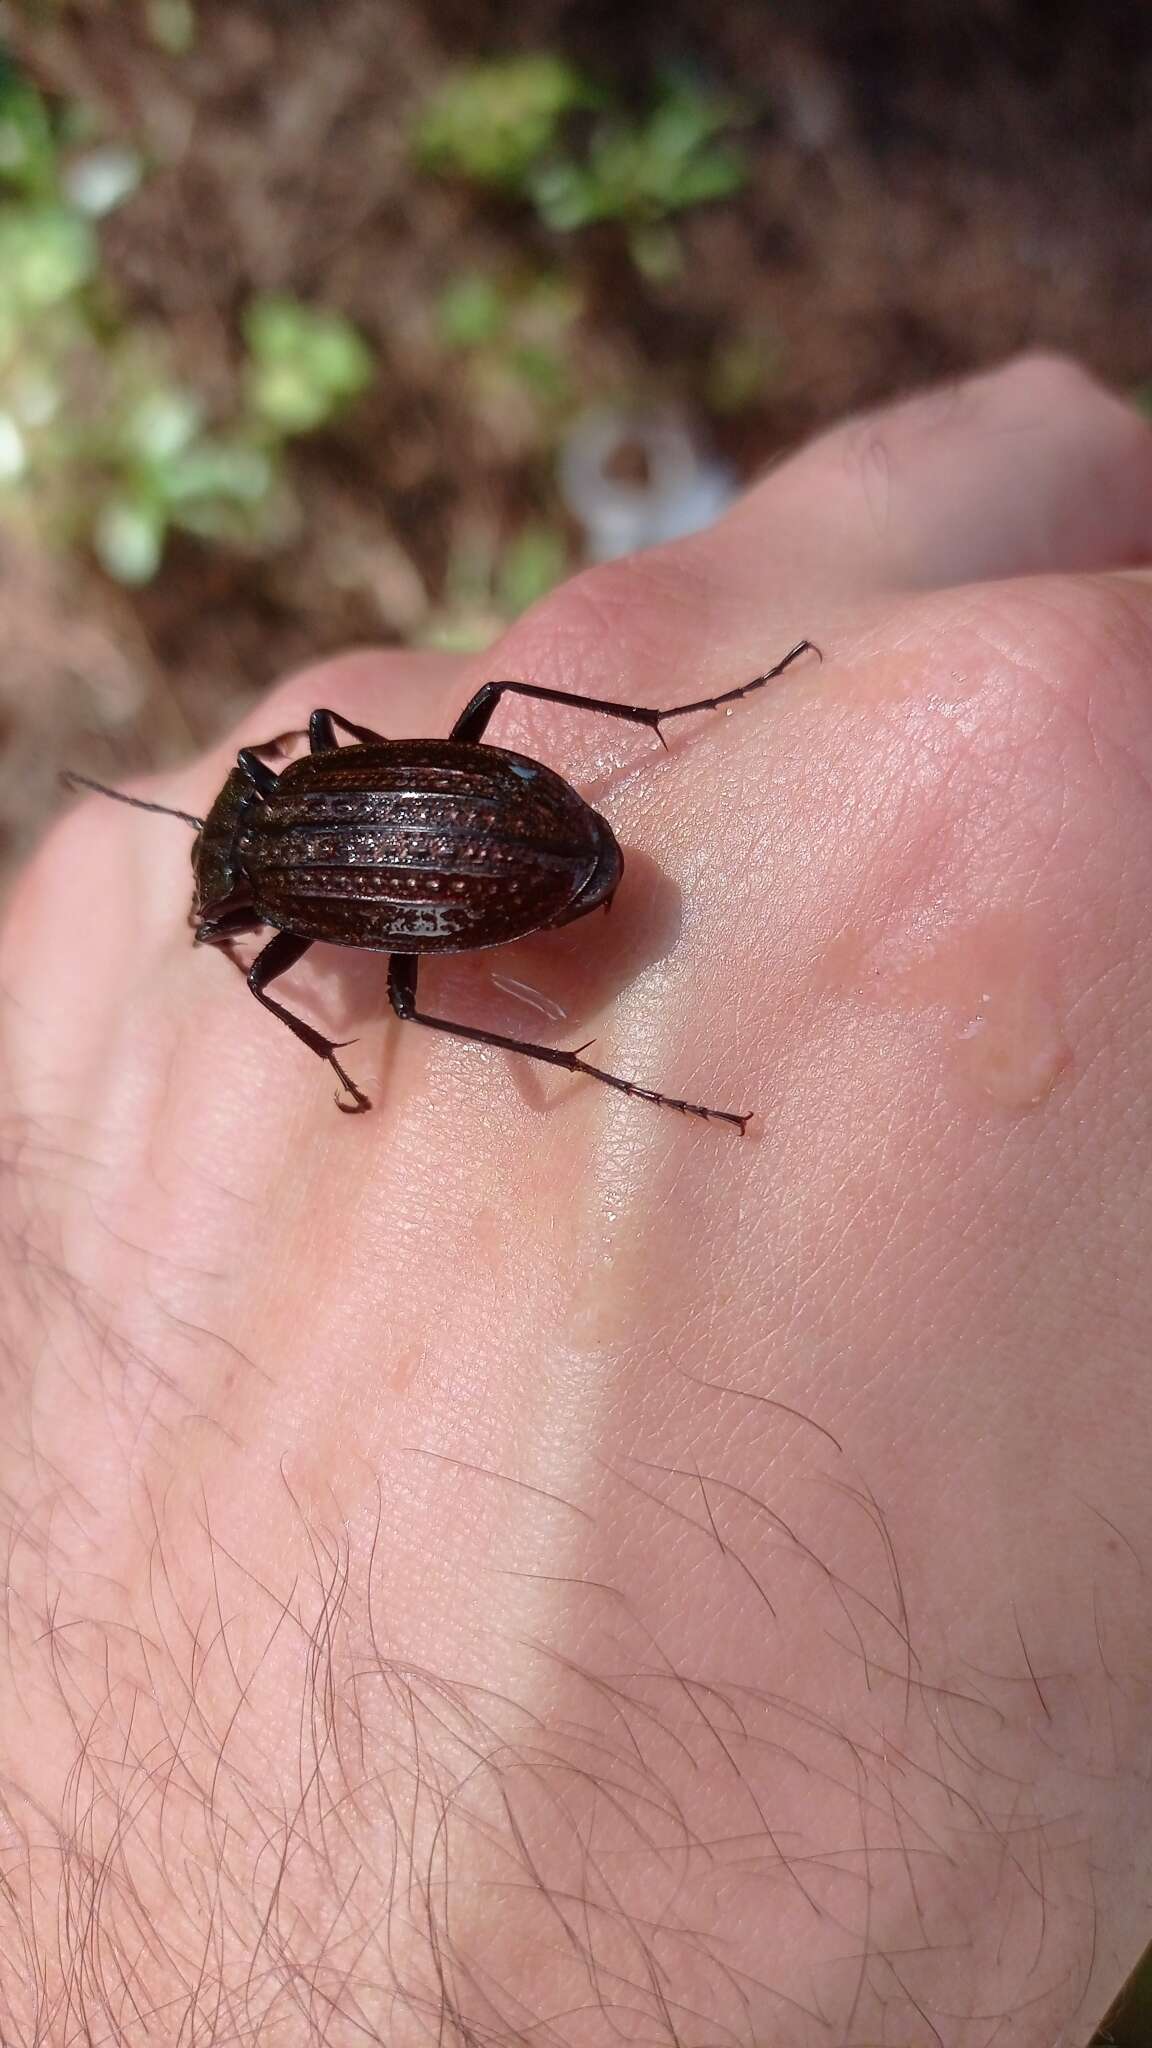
(360, 1102)
(738, 1119)
(743, 689)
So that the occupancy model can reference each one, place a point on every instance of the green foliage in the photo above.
(28, 152)
(304, 364)
(101, 443)
(473, 311)
(507, 125)
(492, 123)
(172, 25)
(531, 565)
(740, 370)
(516, 335)
(163, 469)
(673, 158)
(489, 583)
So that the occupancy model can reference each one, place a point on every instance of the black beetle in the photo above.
(408, 847)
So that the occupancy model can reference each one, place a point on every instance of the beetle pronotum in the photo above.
(408, 847)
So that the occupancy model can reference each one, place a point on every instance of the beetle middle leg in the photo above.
(473, 720)
(403, 969)
(274, 959)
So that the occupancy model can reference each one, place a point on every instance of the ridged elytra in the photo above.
(408, 847)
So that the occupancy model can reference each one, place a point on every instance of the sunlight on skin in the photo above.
(523, 1556)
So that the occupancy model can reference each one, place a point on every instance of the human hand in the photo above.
(524, 1566)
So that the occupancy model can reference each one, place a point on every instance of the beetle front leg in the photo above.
(276, 958)
(322, 732)
(403, 969)
(474, 718)
(263, 778)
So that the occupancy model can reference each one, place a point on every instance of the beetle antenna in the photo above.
(72, 780)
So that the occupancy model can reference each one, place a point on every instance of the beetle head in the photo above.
(223, 900)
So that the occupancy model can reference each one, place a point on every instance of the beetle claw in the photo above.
(359, 1102)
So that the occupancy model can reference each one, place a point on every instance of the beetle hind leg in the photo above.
(403, 969)
(274, 959)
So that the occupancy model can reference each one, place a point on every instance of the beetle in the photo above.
(408, 847)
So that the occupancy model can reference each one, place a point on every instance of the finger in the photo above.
(1031, 468)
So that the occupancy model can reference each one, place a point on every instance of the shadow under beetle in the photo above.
(408, 847)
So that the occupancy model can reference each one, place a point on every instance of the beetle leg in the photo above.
(403, 969)
(745, 689)
(473, 720)
(274, 959)
(224, 928)
(322, 733)
(263, 778)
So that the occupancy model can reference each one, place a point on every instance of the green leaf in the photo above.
(656, 250)
(224, 470)
(542, 370)
(492, 122)
(531, 565)
(567, 196)
(171, 25)
(46, 254)
(28, 153)
(471, 310)
(161, 424)
(305, 363)
(128, 537)
(740, 371)
(718, 174)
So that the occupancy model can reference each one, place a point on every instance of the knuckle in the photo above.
(373, 686)
(1070, 657)
(1045, 376)
(1013, 735)
(612, 619)
(1036, 389)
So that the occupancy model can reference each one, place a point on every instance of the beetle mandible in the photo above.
(408, 847)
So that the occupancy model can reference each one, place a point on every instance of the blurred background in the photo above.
(331, 321)
(367, 320)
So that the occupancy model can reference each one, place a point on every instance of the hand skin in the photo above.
(521, 1566)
